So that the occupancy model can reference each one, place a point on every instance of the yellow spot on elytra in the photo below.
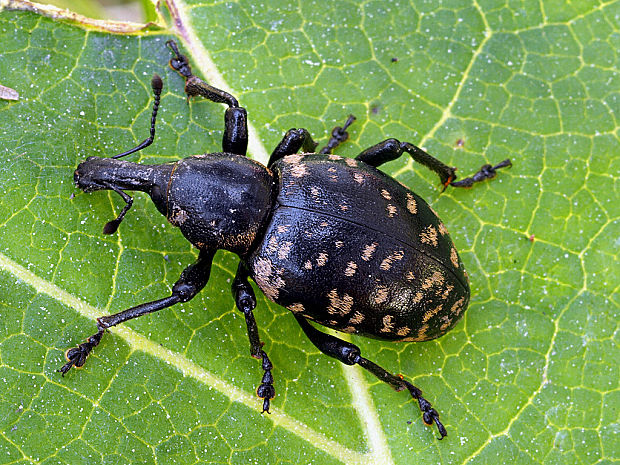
(386, 264)
(458, 306)
(339, 305)
(368, 251)
(388, 325)
(299, 170)
(381, 294)
(429, 235)
(284, 250)
(322, 259)
(296, 308)
(436, 279)
(412, 206)
(403, 331)
(296, 158)
(428, 315)
(454, 258)
(356, 319)
(351, 269)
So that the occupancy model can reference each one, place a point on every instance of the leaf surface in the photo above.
(530, 375)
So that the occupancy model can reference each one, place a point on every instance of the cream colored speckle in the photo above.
(351, 162)
(442, 229)
(299, 170)
(386, 264)
(454, 257)
(385, 194)
(359, 178)
(368, 251)
(283, 228)
(339, 305)
(403, 331)
(351, 269)
(429, 235)
(295, 158)
(339, 244)
(412, 206)
(410, 276)
(334, 157)
(356, 319)
(388, 325)
(308, 265)
(391, 210)
(344, 207)
(458, 306)
(284, 250)
(436, 279)
(381, 294)
(428, 315)
(296, 308)
(348, 329)
(322, 259)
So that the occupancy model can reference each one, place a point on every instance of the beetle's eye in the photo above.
(175, 63)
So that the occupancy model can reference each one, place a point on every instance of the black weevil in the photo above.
(332, 239)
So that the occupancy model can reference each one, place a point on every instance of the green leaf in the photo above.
(530, 376)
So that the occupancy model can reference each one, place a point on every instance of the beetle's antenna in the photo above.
(111, 226)
(157, 85)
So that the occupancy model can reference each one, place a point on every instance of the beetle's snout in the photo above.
(85, 174)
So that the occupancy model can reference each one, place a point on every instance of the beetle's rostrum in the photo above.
(331, 238)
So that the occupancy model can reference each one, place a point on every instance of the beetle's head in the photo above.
(92, 174)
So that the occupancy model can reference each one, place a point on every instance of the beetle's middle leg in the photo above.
(235, 138)
(192, 280)
(391, 149)
(350, 354)
(246, 302)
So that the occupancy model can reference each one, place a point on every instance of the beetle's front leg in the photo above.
(293, 140)
(246, 302)
(350, 354)
(235, 138)
(192, 280)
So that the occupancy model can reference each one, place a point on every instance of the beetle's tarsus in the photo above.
(76, 356)
(338, 136)
(485, 172)
(111, 226)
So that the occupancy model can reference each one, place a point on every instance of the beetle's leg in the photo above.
(338, 136)
(235, 138)
(293, 140)
(246, 302)
(350, 354)
(391, 149)
(486, 172)
(192, 280)
(112, 225)
(157, 85)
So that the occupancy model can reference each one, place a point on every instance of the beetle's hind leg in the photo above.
(235, 138)
(350, 354)
(391, 149)
(246, 302)
(192, 280)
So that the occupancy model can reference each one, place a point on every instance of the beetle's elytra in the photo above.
(333, 239)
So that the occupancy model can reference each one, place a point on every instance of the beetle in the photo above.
(333, 239)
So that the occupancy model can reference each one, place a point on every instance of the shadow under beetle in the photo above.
(332, 239)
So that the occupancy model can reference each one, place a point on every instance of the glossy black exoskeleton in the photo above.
(333, 239)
